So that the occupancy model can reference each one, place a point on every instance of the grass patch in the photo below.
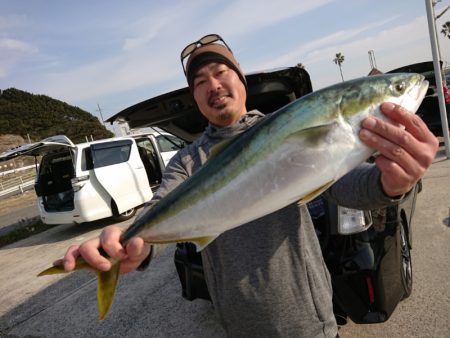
(18, 234)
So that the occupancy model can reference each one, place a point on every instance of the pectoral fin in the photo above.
(312, 136)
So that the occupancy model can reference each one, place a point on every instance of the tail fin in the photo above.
(56, 269)
(106, 285)
(106, 288)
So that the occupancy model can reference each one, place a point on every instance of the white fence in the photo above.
(17, 184)
(13, 171)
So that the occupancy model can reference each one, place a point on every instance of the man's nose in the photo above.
(214, 84)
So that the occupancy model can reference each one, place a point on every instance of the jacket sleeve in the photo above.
(360, 189)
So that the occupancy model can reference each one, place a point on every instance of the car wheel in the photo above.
(123, 216)
(406, 265)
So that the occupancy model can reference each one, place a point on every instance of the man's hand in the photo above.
(405, 153)
(131, 256)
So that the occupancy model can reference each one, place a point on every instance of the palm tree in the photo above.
(339, 60)
(446, 29)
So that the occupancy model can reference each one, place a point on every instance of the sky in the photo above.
(113, 54)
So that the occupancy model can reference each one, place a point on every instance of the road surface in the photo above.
(149, 304)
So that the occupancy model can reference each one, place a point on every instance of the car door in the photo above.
(120, 171)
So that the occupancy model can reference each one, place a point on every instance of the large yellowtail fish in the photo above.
(292, 155)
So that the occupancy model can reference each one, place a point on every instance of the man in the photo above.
(268, 277)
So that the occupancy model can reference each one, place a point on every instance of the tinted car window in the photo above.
(109, 153)
(51, 163)
(86, 159)
(146, 144)
(169, 143)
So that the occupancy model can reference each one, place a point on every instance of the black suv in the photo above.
(371, 270)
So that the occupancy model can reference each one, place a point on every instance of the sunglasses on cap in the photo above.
(206, 40)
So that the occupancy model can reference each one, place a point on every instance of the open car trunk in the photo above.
(54, 181)
(54, 177)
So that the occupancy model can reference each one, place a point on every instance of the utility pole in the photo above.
(101, 116)
(372, 61)
(429, 4)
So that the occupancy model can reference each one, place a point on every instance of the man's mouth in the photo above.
(218, 101)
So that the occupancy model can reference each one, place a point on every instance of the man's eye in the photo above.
(221, 71)
(198, 82)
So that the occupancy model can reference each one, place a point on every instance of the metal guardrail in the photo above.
(16, 170)
(17, 184)
(17, 189)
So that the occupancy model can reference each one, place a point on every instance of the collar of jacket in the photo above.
(244, 123)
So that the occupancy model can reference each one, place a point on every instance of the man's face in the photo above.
(220, 94)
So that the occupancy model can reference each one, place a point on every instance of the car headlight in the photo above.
(351, 221)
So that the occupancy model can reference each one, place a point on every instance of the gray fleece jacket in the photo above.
(267, 278)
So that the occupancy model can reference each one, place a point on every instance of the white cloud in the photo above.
(150, 27)
(108, 76)
(16, 45)
(144, 47)
(318, 50)
(12, 53)
(253, 15)
(394, 46)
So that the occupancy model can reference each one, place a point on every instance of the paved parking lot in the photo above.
(149, 304)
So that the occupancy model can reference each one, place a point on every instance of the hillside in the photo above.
(26, 117)
(40, 116)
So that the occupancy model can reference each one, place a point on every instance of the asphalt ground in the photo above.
(149, 304)
(18, 219)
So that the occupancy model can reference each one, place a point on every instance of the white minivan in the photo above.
(79, 183)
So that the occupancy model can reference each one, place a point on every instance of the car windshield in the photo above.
(169, 143)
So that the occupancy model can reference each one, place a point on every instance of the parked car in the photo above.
(429, 109)
(79, 183)
(370, 264)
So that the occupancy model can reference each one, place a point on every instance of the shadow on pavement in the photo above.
(147, 304)
(62, 232)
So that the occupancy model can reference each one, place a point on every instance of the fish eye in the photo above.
(400, 87)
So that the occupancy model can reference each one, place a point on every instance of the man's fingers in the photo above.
(415, 139)
(406, 146)
(69, 259)
(110, 242)
(412, 122)
(90, 252)
(389, 149)
(395, 180)
(137, 249)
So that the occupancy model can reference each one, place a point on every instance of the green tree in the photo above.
(446, 29)
(339, 60)
(40, 116)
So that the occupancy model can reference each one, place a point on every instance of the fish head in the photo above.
(362, 97)
(405, 89)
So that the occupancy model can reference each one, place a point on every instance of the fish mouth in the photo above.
(417, 93)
